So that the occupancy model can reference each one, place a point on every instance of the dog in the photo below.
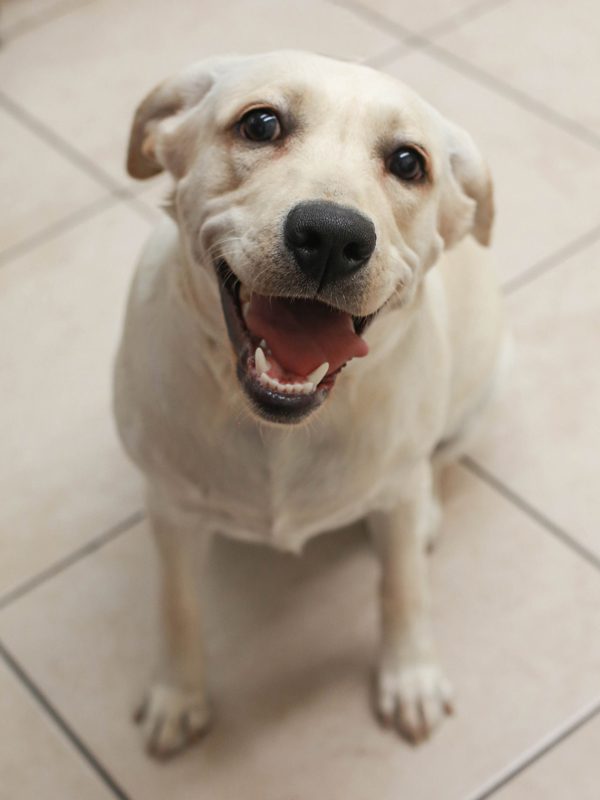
(311, 334)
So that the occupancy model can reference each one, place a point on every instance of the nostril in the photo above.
(305, 239)
(309, 240)
(354, 251)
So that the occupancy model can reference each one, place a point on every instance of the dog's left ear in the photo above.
(163, 111)
(467, 199)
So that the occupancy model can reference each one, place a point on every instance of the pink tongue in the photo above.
(302, 334)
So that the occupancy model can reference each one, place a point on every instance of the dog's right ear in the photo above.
(160, 112)
(467, 204)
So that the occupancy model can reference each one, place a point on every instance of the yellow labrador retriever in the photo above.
(302, 347)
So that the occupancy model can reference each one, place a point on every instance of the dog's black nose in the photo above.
(328, 241)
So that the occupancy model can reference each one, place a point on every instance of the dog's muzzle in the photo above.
(290, 350)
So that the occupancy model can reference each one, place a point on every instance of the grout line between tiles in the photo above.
(460, 17)
(410, 42)
(520, 98)
(419, 38)
(56, 228)
(391, 53)
(59, 566)
(62, 724)
(476, 469)
(58, 143)
(72, 154)
(573, 247)
(39, 20)
(421, 42)
(538, 751)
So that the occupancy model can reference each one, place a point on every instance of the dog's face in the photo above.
(318, 193)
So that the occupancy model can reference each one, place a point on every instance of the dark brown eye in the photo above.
(260, 125)
(407, 164)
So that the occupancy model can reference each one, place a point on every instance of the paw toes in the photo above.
(409, 721)
(386, 701)
(170, 720)
(195, 723)
(414, 700)
(166, 737)
(432, 712)
(447, 695)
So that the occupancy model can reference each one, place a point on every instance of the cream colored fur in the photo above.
(372, 450)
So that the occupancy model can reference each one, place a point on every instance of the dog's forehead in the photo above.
(308, 83)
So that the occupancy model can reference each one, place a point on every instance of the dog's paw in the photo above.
(414, 699)
(171, 719)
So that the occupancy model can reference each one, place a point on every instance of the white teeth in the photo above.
(262, 365)
(299, 387)
(268, 381)
(306, 387)
(319, 373)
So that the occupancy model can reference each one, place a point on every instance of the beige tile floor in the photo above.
(516, 575)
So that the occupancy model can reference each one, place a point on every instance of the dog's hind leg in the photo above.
(175, 710)
(458, 440)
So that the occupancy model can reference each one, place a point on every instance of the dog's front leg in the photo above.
(175, 710)
(412, 691)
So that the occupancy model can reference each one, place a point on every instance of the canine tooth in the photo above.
(308, 387)
(317, 375)
(245, 309)
(262, 365)
(263, 344)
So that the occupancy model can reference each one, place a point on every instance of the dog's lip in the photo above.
(269, 403)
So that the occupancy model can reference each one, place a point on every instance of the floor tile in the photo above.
(18, 15)
(545, 436)
(33, 177)
(548, 51)
(291, 644)
(35, 759)
(570, 770)
(421, 17)
(63, 478)
(89, 96)
(543, 196)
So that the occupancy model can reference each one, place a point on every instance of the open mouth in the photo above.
(289, 350)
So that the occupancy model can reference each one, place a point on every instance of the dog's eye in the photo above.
(260, 125)
(407, 163)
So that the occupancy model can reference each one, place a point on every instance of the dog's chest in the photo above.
(285, 489)
(284, 486)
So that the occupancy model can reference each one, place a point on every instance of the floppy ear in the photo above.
(467, 202)
(160, 112)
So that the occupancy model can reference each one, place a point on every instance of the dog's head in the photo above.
(318, 193)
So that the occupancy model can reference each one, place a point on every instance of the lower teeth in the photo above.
(286, 388)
